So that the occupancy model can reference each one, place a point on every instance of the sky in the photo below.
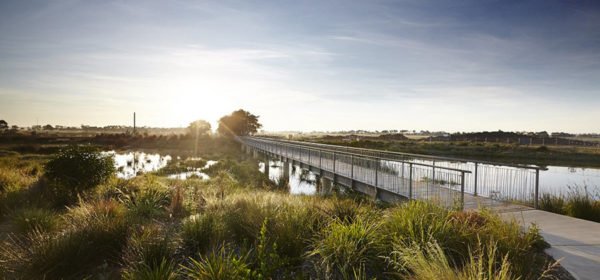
(304, 65)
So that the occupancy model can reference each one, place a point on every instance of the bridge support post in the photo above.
(267, 166)
(326, 185)
(286, 170)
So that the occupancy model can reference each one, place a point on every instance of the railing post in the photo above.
(333, 164)
(462, 190)
(403, 170)
(352, 167)
(410, 175)
(320, 160)
(377, 171)
(475, 183)
(433, 173)
(537, 188)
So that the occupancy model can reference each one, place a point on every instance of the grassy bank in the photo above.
(238, 225)
(578, 202)
(507, 153)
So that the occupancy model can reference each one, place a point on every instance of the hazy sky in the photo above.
(304, 65)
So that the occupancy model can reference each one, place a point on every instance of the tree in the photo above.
(3, 125)
(199, 128)
(239, 123)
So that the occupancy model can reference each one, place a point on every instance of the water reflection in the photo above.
(131, 164)
(301, 181)
(555, 180)
(194, 172)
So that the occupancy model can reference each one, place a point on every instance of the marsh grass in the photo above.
(237, 226)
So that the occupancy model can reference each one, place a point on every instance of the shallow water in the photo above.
(130, 164)
(194, 172)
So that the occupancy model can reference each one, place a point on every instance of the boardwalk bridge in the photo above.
(393, 176)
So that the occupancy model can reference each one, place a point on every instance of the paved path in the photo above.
(575, 241)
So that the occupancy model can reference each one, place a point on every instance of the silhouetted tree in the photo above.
(199, 128)
(48, 127)
(3, 124)
(239, 123)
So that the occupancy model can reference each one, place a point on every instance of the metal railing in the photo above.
(413, 180)
(496, 181)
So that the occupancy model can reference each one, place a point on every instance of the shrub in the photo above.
(77, 168)
(266, 255)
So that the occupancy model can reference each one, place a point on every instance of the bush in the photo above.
(78, 168)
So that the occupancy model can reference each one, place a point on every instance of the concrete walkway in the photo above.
(575, 241)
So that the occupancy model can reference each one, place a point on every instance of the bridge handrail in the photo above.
(359, 155)
(421, 156)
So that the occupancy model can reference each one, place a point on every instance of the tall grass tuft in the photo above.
(30, 219)
(344, 249)
(149, 255)
(580, 204)
(146, 198)
(429, 262)
(220, 263)
(200, 231)
(553, 203)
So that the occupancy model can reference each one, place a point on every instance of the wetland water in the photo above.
(555, 180)
(131, 164)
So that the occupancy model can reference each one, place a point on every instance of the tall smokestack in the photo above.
(133, 122)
